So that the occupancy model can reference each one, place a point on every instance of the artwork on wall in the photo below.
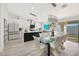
(45, 26)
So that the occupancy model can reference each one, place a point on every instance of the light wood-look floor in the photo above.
(19, 48)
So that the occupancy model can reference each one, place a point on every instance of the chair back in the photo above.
(37, 42)
(58, 41)
(64, 38)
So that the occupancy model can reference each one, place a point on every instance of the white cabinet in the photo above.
(5, 31)
(14, 31)
(11, 27)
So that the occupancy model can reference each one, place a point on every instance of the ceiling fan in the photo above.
(33, 14)
(53, 4)
(63, 5)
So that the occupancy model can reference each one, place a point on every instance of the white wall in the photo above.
(0, 28)
(23, 23)
(3, 15)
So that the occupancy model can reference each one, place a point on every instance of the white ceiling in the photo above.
(42, 10)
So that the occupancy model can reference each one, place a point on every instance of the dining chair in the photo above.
(41, 48)
(64, 38)
(62, 41)
(57, 44)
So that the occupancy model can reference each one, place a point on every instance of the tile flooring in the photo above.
(19, 48)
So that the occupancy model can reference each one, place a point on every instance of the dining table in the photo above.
(47, 40)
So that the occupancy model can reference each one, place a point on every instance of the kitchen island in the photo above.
(28, 36)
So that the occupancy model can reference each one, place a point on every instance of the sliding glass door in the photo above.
(73, 32)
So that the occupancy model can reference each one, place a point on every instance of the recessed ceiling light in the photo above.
(32, 8)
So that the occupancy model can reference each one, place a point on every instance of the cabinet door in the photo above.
(11, 27)
(16, 27)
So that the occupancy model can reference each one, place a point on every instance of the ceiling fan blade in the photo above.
(64, 5)
(32, 14)
(53, 4)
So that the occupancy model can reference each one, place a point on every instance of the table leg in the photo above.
(48, 49)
